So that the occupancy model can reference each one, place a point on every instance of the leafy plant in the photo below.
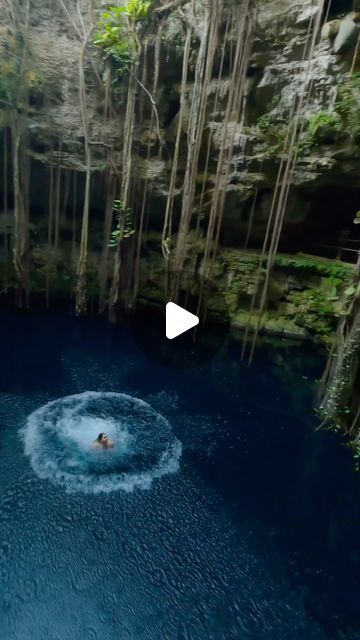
(312, 310)
(320, 127)
(117, 31)
(350, 291)
(310, 265)
(348, 105)
(323, 119)
(124, 224)
(321, 124)
(274, 132)
(266, 120)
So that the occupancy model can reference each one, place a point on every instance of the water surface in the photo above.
(254, 536)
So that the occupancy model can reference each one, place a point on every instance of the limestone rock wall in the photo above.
(328, 156)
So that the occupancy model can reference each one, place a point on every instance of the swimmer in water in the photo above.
(103, 442)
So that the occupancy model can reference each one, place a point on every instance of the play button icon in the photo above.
(178, 331)
(178, 320)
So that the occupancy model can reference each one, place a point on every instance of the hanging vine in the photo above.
(14, 96)
(243, 27)
(340, 384)
(203, 71)
(146, 191)
(167, 225)
(84, 34)
(120, 35)
(284, 179)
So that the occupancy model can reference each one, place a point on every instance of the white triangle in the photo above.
(178, 320)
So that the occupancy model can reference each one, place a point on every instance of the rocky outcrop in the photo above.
(328, 155)
(307, 295)
(348, 33)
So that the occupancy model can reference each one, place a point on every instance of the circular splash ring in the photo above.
(58, 438)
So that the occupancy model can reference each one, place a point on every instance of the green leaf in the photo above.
(349, 291)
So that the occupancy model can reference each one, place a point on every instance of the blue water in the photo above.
(254, 534)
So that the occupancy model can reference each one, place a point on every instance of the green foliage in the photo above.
(341, 406)
(350, 291)
(321, 127)
(348, 106)
(116, 33)
(321, 120)
(312, 309)
(266, 120)
(275, 133)
(304, 147)
(317, 310)
(307, 264)
(124, 224)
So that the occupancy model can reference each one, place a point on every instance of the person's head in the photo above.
(103, 438)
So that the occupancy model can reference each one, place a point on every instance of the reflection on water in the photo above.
(255, 536)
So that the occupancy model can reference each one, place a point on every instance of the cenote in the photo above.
(179, 320)
(252, 535)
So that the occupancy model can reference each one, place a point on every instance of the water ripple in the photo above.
(58, 436)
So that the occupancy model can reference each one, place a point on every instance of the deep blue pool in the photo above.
(253, 534)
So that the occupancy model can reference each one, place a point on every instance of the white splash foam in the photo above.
(58, 436)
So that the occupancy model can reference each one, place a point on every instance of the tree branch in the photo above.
(152, 103)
